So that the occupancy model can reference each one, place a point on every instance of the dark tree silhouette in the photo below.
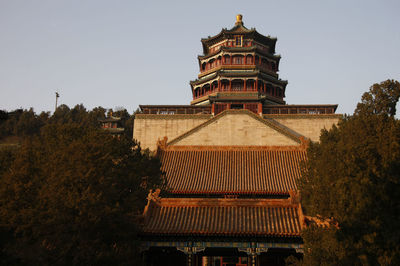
(353, 175)
(72, 195)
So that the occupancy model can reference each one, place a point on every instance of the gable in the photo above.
(238, 128)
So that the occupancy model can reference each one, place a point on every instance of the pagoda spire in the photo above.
(239, 20)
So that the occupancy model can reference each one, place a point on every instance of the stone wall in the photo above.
(228, 130)
(149, 128)
(236, 130)
(309, 126)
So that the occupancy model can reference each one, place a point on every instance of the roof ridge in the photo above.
(225, 202)
(233, 148)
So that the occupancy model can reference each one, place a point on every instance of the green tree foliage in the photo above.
(22, 123)
(353, 175)
(78, 115)
(72, 195)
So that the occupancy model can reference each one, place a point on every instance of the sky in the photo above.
(124, 53)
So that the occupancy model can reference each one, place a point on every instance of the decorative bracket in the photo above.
(190, 250)
(253, 251)
(299, 250)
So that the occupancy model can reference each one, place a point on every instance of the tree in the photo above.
(22, 123)
(73, 195)
(353, 175)
(3, 115)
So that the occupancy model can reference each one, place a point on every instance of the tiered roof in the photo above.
(223, 217)
(240, 60)
(239, 28)
(232, 170)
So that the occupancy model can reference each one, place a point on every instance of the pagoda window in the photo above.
(203, 66)
(238, 60)
(227, 60)
(214, 85)
(238, 40)
(249, 59)
(225, 85)
(237, 85)
(250, 84)
(265, 64)
(212, 63)
(206, 89)
(269, 89)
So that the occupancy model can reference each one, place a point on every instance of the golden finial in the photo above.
(239, 19)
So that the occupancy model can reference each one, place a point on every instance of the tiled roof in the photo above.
(231, 170)
(223, 217)
(110, 119)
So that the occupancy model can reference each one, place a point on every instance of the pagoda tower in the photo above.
(231, 160)
(239, 70)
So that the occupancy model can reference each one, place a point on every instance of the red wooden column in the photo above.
(256, 85)
(259, 109)
(245, 85)
(219, 85)
(230, 85)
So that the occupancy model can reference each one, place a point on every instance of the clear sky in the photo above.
(125, 53)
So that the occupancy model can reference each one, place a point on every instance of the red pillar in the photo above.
(256, 84)
(245, 85)
(259, 108)
(219, 85)
(213, 109)
(230, 85)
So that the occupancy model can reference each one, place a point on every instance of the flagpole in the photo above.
(57, 96)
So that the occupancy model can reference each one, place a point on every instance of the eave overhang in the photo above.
(239, 30)
(252, 73)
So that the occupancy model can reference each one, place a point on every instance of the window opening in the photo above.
(238, 40)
